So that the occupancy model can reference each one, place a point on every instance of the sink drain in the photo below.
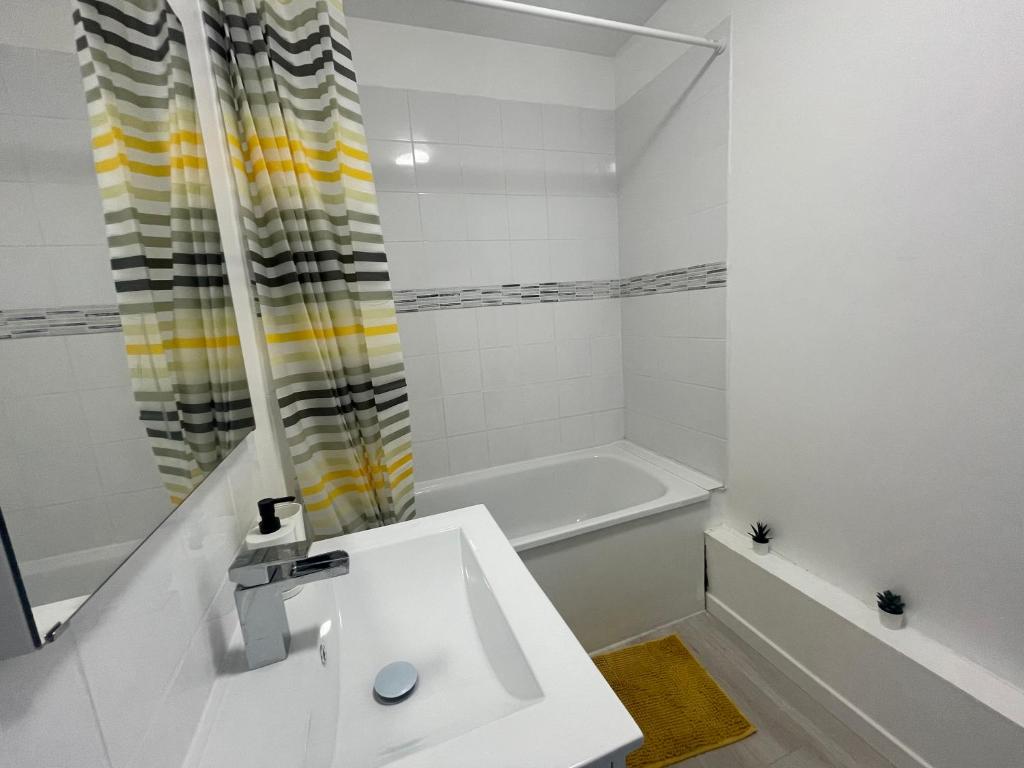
(395, 682)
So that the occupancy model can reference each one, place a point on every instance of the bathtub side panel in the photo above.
(616, 583)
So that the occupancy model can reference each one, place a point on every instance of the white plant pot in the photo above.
(892, 620)
(761, 548)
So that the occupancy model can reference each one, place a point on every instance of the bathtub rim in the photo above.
(684, 486)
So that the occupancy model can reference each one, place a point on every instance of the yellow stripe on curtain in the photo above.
(168, 266)
(291, 110)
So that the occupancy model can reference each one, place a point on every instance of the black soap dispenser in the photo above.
(270, 529)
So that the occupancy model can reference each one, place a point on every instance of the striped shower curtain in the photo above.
(309, 209)
(165, 251)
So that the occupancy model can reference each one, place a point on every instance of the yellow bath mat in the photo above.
(680, 709)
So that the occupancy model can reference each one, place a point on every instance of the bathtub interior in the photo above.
(560, 492)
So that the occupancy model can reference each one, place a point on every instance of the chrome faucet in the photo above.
(261, 575)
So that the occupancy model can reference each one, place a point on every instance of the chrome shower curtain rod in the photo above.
(594, 21)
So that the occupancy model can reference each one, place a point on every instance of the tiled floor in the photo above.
(793, 730)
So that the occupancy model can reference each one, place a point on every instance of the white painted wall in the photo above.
(875, 337)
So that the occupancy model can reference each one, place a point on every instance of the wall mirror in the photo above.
(121, 376)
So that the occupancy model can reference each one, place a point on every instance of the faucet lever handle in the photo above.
(317, 563)
(258, 566)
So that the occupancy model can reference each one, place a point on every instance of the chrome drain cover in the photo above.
(395, 682)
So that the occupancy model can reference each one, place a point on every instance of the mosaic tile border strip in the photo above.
(103, 318)
(695, 278)
(59, 321)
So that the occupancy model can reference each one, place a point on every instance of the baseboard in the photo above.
(647, 633)
(894, 750)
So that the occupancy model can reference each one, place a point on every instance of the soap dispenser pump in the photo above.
(269, 521)
(271, 529)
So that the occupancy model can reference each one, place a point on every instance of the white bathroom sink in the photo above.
(503, 682)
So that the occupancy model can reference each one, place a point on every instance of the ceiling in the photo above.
(489, 22)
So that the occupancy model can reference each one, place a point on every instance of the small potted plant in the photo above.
(890, 610)
(761, 537)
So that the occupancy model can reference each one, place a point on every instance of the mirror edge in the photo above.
(15, 639)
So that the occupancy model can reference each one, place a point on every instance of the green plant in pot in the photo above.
(890, 610)
(760, 534)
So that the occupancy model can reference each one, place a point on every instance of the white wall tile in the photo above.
(561, 127)
(606, 356)
(127, 465)
(407, 266)
(35, 366)
(486, 217)
(42, 421)
(446, 263)
(423, 376)
(468, 452)
(507, 445)
(19, 224)
(597, 131)
(385, 113)
(574, 397)
(460, 372)
(24, 69)
(59, 474)
(496, 326)
(427, 418)
(528, 217)
(456, 331)
(576, 432)
(535, 323)
(483, 170)
(444, 216)
(607, 392)
(27, 278)
(537, 363)
(530, 261)
(435, 116)
(695, 361)
(564, 173)
(573, 357)
(500, 367)
(439, 167)
(111, 414)
(609, 426)
(400, 216)
(393, 169)
(46, 711)
(81, 219)
(431, 460)
(503, 407)
(81, 274)
(13, 155)
(521, 125)
(479, 121)
(59, 151)
(418, 331)
(60, 528)
(490, 262)
(525, 171)
(134, 515)
(540, 402)
(543, 438)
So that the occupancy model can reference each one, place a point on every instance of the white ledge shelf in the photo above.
(981, 684)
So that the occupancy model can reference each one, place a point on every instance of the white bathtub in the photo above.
(614, 534)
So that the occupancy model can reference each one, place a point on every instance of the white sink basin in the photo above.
(502, 680)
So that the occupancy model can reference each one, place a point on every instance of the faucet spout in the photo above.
(261, 576)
